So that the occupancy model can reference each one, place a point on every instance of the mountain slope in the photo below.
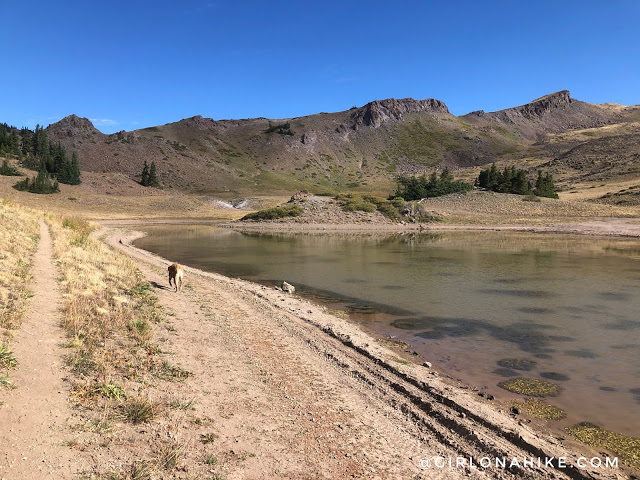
(361, 148)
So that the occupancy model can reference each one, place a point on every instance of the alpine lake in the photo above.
(482, 307)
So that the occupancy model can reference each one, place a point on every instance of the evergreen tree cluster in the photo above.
(544, 185)
(37, 152)
(512, 180)
(42, 183)
(415, 188)
(282, 129)
(149, 176)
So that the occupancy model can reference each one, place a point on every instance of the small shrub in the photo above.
(275, 213)
(110, 390)
(42, 184)
(531, 198)
(9, 170)
(282, 129)
(211, 460)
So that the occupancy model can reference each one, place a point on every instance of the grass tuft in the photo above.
(170, 456)
(139, 410)
(7, 359)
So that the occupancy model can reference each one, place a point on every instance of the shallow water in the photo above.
(566, 307)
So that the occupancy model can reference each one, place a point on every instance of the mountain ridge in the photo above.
(363, 148)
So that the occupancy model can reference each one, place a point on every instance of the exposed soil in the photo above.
(35, 417)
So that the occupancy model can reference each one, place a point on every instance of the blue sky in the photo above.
(134, 64)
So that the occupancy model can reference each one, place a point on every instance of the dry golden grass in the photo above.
(99, 203)
(108, 310)
(18, 242)
(110, 316)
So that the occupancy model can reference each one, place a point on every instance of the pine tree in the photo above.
(144, 181)
(153, 179)
(544, 186)
(74, 170)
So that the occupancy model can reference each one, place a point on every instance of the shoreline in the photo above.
(464, 401)
(605, 226)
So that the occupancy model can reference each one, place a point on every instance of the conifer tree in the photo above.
(144, 181)
(74, 170)
(544, 185)
(153, 179)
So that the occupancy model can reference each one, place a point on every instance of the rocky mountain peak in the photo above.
(546, 104)
(375, 113)
(73, 126)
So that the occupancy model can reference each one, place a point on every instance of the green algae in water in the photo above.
(517, 363)
(531, 386)
(537, 408)
(558, 377)
(627, 448)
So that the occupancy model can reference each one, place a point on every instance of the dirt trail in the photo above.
(35, 416)
(292, 391)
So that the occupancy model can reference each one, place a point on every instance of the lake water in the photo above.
(568, 305)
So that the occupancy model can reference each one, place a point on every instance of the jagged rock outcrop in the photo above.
(546, 104)
(375, 113)
(552, 113)
(73, 126)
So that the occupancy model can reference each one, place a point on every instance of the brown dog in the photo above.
(175, 273)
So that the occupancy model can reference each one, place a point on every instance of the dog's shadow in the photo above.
(160, 287)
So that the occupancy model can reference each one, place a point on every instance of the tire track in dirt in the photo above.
(35, 417)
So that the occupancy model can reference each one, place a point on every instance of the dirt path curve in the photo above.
(34, 417)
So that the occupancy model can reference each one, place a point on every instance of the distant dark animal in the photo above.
(176, 273)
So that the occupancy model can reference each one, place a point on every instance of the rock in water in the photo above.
(287, 287)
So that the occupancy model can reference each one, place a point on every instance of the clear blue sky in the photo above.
(138, 63)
